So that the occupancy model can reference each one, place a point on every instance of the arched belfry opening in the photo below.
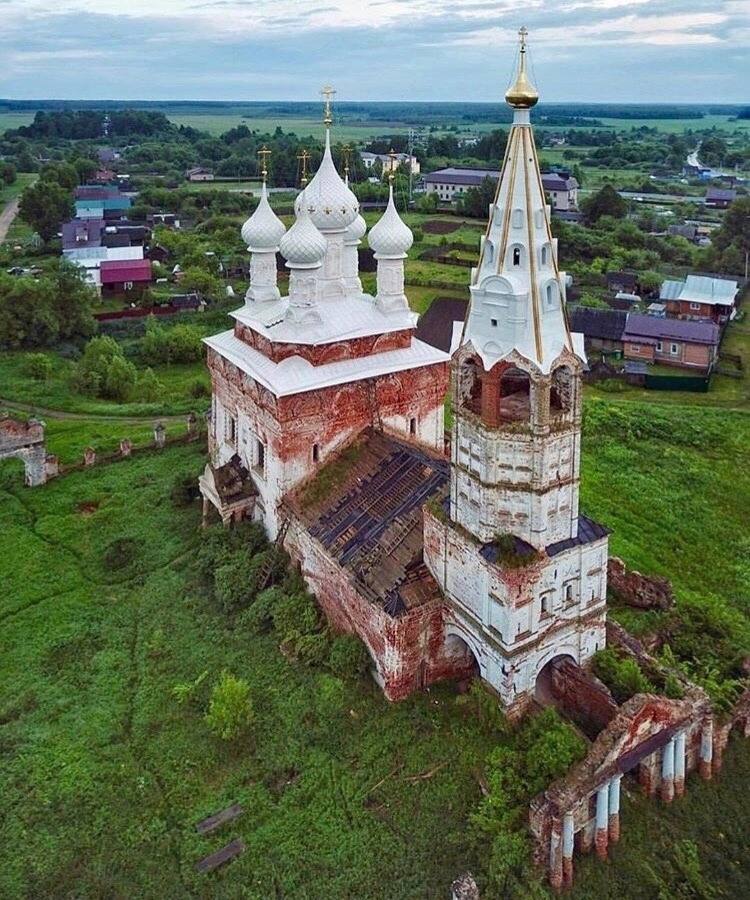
(561, 391)
(506, 395)
(470, 384)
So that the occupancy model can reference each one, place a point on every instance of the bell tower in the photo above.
(523, 572)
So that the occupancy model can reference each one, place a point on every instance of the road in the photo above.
(6, 218)
(46, 413)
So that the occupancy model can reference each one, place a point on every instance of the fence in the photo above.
(695, 384)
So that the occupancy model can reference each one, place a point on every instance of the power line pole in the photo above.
(410, 153)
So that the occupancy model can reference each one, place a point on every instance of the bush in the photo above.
(103, 371)
(623, 676)
(120, 553)
(230, 710)
(184, 490)
(37, 366)
(149, 387)
(295, 615)
(199, 388)
(175, 344)
(348, 657)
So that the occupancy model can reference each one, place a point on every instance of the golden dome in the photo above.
(522, 94)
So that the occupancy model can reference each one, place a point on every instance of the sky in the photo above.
(581, 50)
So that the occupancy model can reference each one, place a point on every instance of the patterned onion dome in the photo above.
(264, 229)
(334, 206)
(356, 231)
(303, 245)
(389, 236)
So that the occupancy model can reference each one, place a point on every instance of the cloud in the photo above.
(374, 49)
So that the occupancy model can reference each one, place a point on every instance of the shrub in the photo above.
(312, 649)
(623, 676)
(418, 235)
(185, 691)
(103, 370)
(120, 553)
(37, 366)
(184, 490)
(175, 344)
(230, 710)
(234, 584)
(199, 388)
(149, 387)
(295, 615)
(348, 657)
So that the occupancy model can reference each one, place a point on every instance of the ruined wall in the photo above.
(409, 652)
(640, 591)
(296, 429)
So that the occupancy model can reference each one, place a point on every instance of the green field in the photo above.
(15, 120)
(342, 131)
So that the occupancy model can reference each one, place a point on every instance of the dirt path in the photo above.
(61, 414)
(6, 218)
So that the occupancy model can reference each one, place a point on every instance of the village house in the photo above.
(390, 163)
(720, 198)
(601, 328)
(125, 275)
(199, 173)
(451, 182)
(623, 282)
(700, 297)
(672, 342)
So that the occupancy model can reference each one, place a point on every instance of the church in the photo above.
(327, 425)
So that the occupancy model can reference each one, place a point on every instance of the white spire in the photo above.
(517, 290)
(389, 236)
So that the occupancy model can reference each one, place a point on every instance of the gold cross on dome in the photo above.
(303, 158)
(264, 153)
(346, 150)
(328, 94)
(523, 33)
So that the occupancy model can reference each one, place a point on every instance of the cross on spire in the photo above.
(392, 169)
(523, 33)
(346, 150)
(328, 93)
(264, 153)
(303, 158)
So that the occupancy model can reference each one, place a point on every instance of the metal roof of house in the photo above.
(641, 327)
(602, 324)
(721, 194)
(700, 289)
(114, 271)
(79, 233)
(371, 522)
(552, 181)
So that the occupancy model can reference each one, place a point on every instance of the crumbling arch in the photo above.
(470, 384)
(543, 687)
(25, 441)
(562, 390)
(461, 651)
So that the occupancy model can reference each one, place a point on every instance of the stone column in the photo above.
(51, 466)
(205, 512)
(667, 771)
(126, 447)
(89, 456)
(160, 435)
(491, 396)
(614, 808)
(601, 838)
(192, 426)
(707, 749)
(568, 836)
(465, 888)
(721, 739)
(555, 856)
(587, 838)
(679, 764)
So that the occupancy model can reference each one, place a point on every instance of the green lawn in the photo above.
(58, 393)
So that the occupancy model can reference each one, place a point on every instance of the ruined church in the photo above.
(327, 425)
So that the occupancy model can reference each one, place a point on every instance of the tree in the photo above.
(86, 168)
(428, 202)
(730, 244)
(62, 173)
(44, 205)
(7, 172)
(606, 202)
(476, 201)
(202, 282)
(103, 370)
(37, 366)
(27, 317)
(230, 710)
(148, 386)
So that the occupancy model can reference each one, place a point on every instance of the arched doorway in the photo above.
(462, 661)
(547, 686)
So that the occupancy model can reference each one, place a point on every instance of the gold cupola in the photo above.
(522, 94)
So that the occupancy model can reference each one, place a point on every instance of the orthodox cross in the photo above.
(346, 150)
(523, 32)
(328, 94)
(303, 158)
(392, 171)
(264, 153)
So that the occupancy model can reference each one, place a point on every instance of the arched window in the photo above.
(550, 295)
(516, 256)
(489, 251)
(515, 391)
(561, 390)
(544, 255)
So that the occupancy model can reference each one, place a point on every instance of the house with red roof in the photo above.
(119, 275)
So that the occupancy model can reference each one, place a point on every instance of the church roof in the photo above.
(370, 522)
(264, 229)
(390, 237)
(295, 375)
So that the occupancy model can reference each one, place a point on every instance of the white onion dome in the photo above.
(334, 206)
(303, 246)
(390, 236)
(264, 229)
(356, 231)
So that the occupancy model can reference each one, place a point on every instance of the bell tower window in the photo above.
(516, 256)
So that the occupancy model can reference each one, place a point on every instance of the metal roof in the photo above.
(602, 324)
(640, 327)
(700, 289)
(114, 271)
